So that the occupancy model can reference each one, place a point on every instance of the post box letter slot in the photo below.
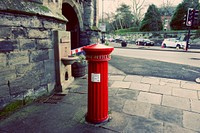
(95, 77)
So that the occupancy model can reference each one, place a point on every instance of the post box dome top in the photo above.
(98, 49)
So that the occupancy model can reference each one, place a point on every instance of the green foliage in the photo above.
(81, 58)
(123, 31)
(124, 16)
(152, 20)
(134, 29)
(106, 43)
(177, 18)
(167, 11)
(181, 10)
(197, 35)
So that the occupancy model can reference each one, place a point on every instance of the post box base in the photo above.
(96, 121)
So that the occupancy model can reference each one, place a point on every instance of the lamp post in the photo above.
(102, 25)
(102, 9)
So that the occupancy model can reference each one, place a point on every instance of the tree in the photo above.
(124, 16)
(137, 7)
(181, 10)
(152, 20)
(167, 9)
(177, 18)
(109, 22)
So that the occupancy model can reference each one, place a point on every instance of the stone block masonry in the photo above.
(27, 66)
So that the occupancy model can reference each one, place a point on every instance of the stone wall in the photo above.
(158, 36)
(27, 65)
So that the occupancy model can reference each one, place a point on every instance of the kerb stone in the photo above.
(140, 86)
(150, 98)
(180, 92)
(176, 102)
(117, 77)
(171, 128)
(151, 80)
(191, 120)
(161, 89)
(190, 85)
(120, 84)
(137, 108)
(167, 114)
(133, 78)
(195, 105)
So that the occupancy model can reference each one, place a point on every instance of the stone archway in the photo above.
(73, 24)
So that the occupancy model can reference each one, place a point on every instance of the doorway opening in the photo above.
(72, 24)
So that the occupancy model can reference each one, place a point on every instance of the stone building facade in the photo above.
(27, 55)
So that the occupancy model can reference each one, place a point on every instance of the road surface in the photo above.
(186, 58)
(158, 63)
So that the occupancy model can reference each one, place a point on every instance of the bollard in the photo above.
(98, 56)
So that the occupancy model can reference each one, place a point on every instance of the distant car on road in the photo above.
(173, 43)
(118, 40)
(111, 39)
(145, 42)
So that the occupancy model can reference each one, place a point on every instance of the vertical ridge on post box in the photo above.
(98, 96)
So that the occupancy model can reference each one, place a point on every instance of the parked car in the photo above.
(173, 43)
(111, 39)
(118, 40)
(145, 42)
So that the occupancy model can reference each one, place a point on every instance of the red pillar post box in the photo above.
(98, 56)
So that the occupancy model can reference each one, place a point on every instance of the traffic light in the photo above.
(196, 14)
(195, 17)
(184, 19)
(190, 17)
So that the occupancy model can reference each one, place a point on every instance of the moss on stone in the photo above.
(44, 8)
(30, 8)
(11, 108)
(17, 104)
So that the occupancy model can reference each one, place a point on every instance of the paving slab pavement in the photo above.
(137, 104)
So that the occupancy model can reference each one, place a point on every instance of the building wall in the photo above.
(27, 65)
(87, 14)
(166, 22)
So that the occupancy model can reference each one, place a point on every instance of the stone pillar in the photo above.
(90, 22)
(96, 12)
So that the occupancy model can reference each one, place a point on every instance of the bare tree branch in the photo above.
(137, 6)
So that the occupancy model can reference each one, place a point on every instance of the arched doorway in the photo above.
(72, 24)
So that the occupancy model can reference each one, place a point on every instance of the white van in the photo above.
(174, 43)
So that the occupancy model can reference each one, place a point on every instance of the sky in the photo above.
(111, 5)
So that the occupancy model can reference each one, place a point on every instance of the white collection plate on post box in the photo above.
(95, 77)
